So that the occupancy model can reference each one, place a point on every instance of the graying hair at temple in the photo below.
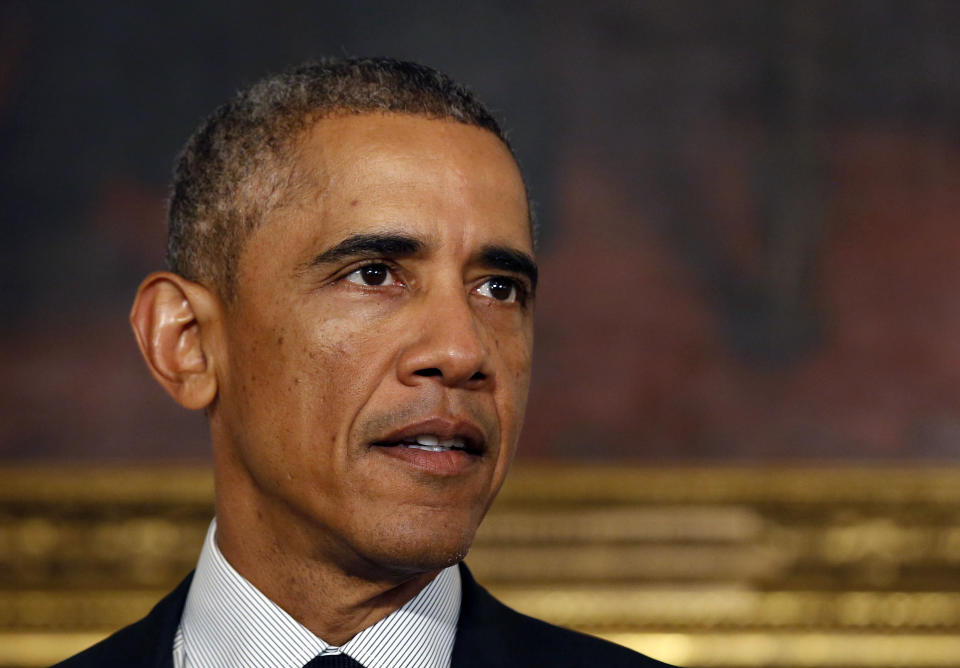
(238, 166)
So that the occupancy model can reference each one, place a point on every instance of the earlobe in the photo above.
(169, 316)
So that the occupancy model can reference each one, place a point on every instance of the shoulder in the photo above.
(146, 643)
(490, 633)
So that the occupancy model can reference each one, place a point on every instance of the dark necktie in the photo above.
(333, 661)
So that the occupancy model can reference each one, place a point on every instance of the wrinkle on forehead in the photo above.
(337, 152)
(296, 174)
(447, 183)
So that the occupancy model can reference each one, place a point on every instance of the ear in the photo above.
(171, 318)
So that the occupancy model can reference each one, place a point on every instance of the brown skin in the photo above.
(311, 364)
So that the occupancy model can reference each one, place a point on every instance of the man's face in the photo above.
(377, 356)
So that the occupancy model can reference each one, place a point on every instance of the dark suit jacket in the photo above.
(489, 634)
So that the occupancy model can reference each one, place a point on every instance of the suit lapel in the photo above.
(150, 641)
(480, 638)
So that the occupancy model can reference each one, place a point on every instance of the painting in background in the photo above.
(748, 213)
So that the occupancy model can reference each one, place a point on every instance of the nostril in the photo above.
(478, 376)
(432, 371)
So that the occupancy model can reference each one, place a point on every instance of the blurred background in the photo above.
(749, 241)
(748, 335)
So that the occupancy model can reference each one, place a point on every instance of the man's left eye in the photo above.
(372, 275)
(500, 288)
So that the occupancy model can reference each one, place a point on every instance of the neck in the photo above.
(332, 595)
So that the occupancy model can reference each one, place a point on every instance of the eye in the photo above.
(500, 288)
(372, 275)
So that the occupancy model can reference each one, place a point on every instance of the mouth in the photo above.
(433, 443)
(438, 445)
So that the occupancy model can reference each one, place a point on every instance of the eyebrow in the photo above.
(509, 259)
(391, 244)
(370, 245)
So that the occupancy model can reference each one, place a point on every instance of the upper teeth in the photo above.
(434, 444)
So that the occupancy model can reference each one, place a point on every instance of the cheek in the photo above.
(309, 354)
(262, 396)
(339, 359)
(515, 347)
(333, 368)
(515, 352)
(293, 392)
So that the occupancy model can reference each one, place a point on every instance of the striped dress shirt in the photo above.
(229, 623)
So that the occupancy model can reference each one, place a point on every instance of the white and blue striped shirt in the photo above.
(229, 623)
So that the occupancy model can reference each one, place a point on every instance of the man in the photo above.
(350, 300)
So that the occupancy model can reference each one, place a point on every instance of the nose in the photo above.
(447, 345)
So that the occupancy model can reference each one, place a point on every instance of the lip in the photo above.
(449, 463)
(444, 429)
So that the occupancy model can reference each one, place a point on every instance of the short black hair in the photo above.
(236, 166)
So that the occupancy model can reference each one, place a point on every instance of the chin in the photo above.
(410, 550)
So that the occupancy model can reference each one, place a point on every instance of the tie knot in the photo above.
(333, 661)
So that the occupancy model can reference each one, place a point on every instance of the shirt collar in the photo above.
(229, 622)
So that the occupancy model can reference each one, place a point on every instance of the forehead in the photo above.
(437, 175)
